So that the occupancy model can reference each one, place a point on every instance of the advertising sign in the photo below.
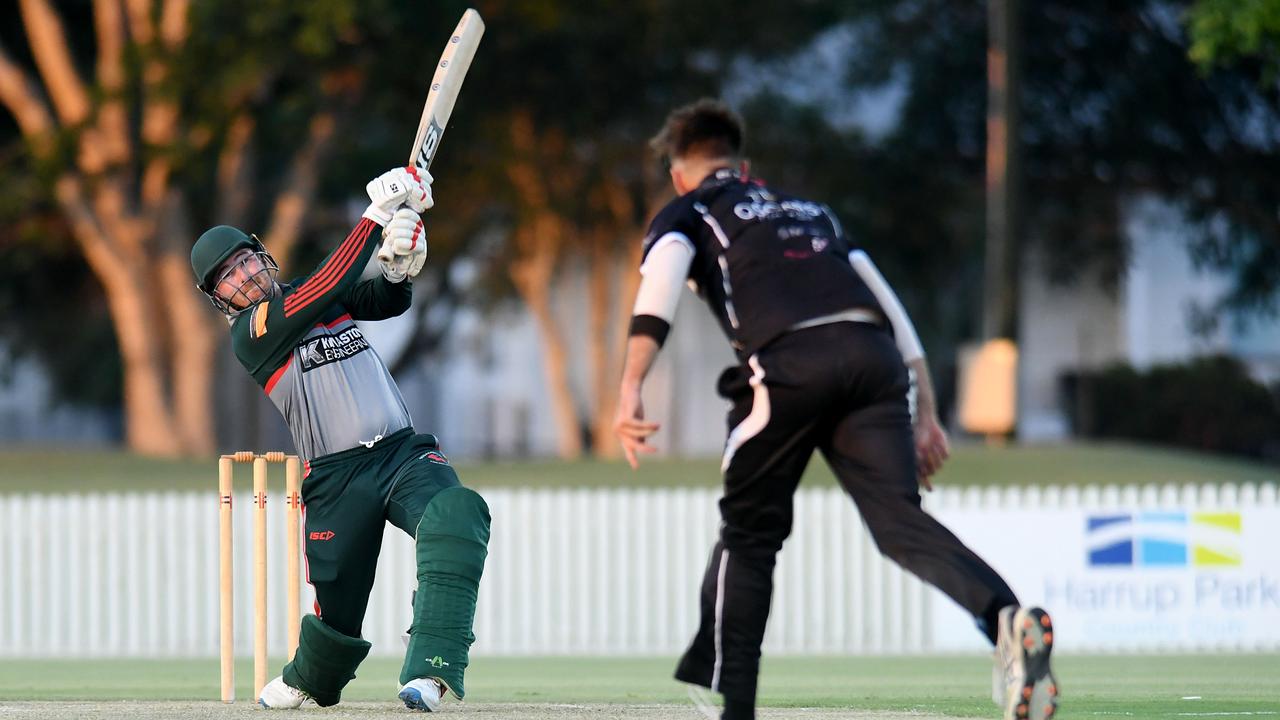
(1129, 578)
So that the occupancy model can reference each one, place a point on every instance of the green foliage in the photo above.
(1227, 31)
(1208, 404)
(1111, 108)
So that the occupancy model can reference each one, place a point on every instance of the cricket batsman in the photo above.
(824, 349)
(364, 464)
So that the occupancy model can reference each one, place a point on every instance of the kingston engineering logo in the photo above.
(320, 351)
(1164, 539)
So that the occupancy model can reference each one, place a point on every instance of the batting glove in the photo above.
(397, 187)
(404, 241)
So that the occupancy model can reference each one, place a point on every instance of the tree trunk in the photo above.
(148, 419)
(149, 422)
(538, 242)
(600, 343)
(615, 277)
(192, 359)
(192, 335)
(532, 277)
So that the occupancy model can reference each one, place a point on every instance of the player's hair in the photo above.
(707, 128)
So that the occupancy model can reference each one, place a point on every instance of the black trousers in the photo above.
(841, 389)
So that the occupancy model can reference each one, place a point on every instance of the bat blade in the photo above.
(445, 84)
(451, 70)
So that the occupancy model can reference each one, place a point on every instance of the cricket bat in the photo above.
(445, 84)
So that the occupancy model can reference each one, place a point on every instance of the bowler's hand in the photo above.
(932, 449)
(632, 429)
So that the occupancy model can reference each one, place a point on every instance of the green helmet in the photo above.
(213, 248)
(210, 253)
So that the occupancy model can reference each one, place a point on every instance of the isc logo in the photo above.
(429, 143)
(321, 535)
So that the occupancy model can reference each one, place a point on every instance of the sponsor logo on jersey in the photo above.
(321, 535)
(767, 209)
(320, 351)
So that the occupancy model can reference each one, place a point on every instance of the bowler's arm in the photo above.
(932, 448)
(665, 268)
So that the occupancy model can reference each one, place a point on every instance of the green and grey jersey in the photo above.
(304, 349)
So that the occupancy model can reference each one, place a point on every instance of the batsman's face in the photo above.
(244, 280)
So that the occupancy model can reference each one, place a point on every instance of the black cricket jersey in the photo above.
(763, 261)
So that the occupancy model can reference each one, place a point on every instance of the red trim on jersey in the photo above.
(324, 280)
(275, 376)
(333, 270)
(329, 326)
(327, 277)
(327, 272)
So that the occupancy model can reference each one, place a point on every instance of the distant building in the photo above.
(1148, 320)
(30, 415)
(487, 396)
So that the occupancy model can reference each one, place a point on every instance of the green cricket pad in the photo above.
(325, 662)
(452, 543)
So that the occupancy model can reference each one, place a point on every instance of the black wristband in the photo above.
(651, 325)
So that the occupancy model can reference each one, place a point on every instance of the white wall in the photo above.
(1061, 328)
(1162, 289)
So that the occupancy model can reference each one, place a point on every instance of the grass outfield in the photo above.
(23, 470)
(1224, 686)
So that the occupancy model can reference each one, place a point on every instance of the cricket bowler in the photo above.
(824, 349)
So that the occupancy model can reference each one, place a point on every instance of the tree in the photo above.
(573, 92)
(1227, 31)
(121, 204)
(1111, 108)
(141, 129)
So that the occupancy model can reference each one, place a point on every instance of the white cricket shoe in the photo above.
(276, 695)
(1022, 682)
(422, 694)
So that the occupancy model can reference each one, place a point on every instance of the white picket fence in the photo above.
(585, 572)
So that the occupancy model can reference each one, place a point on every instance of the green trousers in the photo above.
(347, 499)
